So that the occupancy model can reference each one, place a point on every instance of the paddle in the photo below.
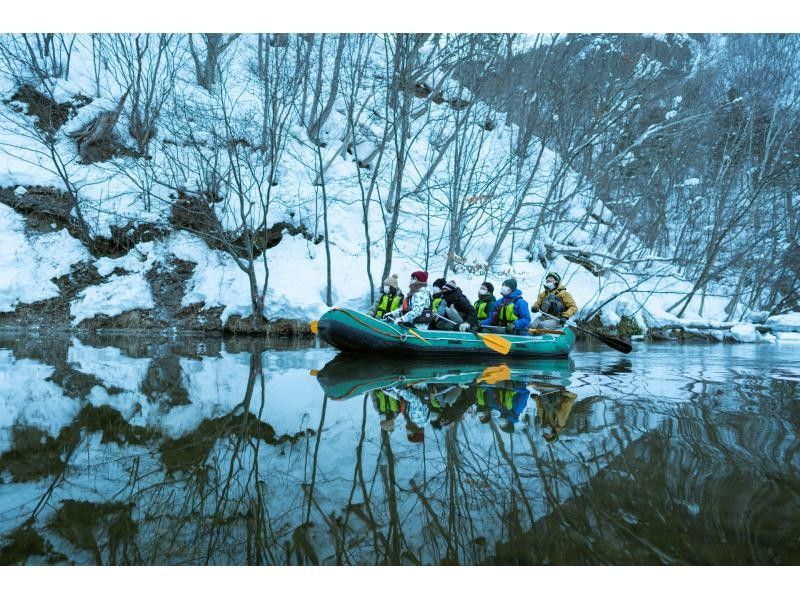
(612, 342)
(492, 341)
(314, 326)
(417, 334)
(495, 374)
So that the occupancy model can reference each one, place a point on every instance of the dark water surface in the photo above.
(132, 450)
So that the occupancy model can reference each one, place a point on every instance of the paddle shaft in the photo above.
(614, 343)
(493, 342)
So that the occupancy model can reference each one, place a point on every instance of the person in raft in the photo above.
(486, 300)
(511, 311)
(416, 307)
(555, 303)
(457, 309)
(391, 298)
(437, 300)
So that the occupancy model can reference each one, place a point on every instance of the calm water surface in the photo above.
(132, 450)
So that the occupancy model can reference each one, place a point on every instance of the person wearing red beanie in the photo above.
(416, 308)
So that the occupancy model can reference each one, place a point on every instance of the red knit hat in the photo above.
(420, 275)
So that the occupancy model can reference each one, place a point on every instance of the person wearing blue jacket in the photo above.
(511, 311)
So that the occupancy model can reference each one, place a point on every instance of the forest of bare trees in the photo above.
(685, 147)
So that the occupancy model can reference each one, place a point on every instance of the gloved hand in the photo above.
(509, 328)
(562, 320)
(463, 327)
(534, 309)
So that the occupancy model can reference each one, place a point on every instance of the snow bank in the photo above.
(118, 295)
(785, 323)
(788, 337)
(29, 262)
(747, 333)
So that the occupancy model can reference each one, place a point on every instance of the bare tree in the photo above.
(206, 66)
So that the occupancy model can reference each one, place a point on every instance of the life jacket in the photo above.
(480, 397)
(388, 302)
(387, 403)
(506, 398)
(553, 304)
(506, 315)
(435, 303)
(480, 307)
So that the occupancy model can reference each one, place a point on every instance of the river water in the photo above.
(134, 450)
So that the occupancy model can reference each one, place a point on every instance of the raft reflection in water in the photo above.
(440, 393)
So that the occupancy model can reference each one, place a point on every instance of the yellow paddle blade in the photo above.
(314, 373)
(496, 373)
(314, 326)
(496, 342)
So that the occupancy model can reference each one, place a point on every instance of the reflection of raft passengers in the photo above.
(552, 408)
(388, 406)
(509, 399)
(447, 404)
(416, 410)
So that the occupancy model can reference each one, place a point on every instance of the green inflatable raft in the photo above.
(351, 331)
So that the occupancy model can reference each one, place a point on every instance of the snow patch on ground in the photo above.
(118, 295)
(747, 333)
(785, 323)
(29, 262)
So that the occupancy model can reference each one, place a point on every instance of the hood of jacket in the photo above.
(515, 294)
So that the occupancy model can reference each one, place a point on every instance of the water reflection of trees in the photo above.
(712, 478)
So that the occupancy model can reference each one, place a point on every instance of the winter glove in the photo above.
(562, 320)
(463, 327)
(509, 328)
(534, 309)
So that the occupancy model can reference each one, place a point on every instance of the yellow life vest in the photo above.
(435, 304)
(384, 306)
(506, 314)
(506, 396)
(386, 403)
(480, 396)
(480, 307)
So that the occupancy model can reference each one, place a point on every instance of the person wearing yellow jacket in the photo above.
(555, 303)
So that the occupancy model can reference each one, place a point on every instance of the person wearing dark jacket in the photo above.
(486, 300)
(436, 295)
(458, 309)
(510, 312)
